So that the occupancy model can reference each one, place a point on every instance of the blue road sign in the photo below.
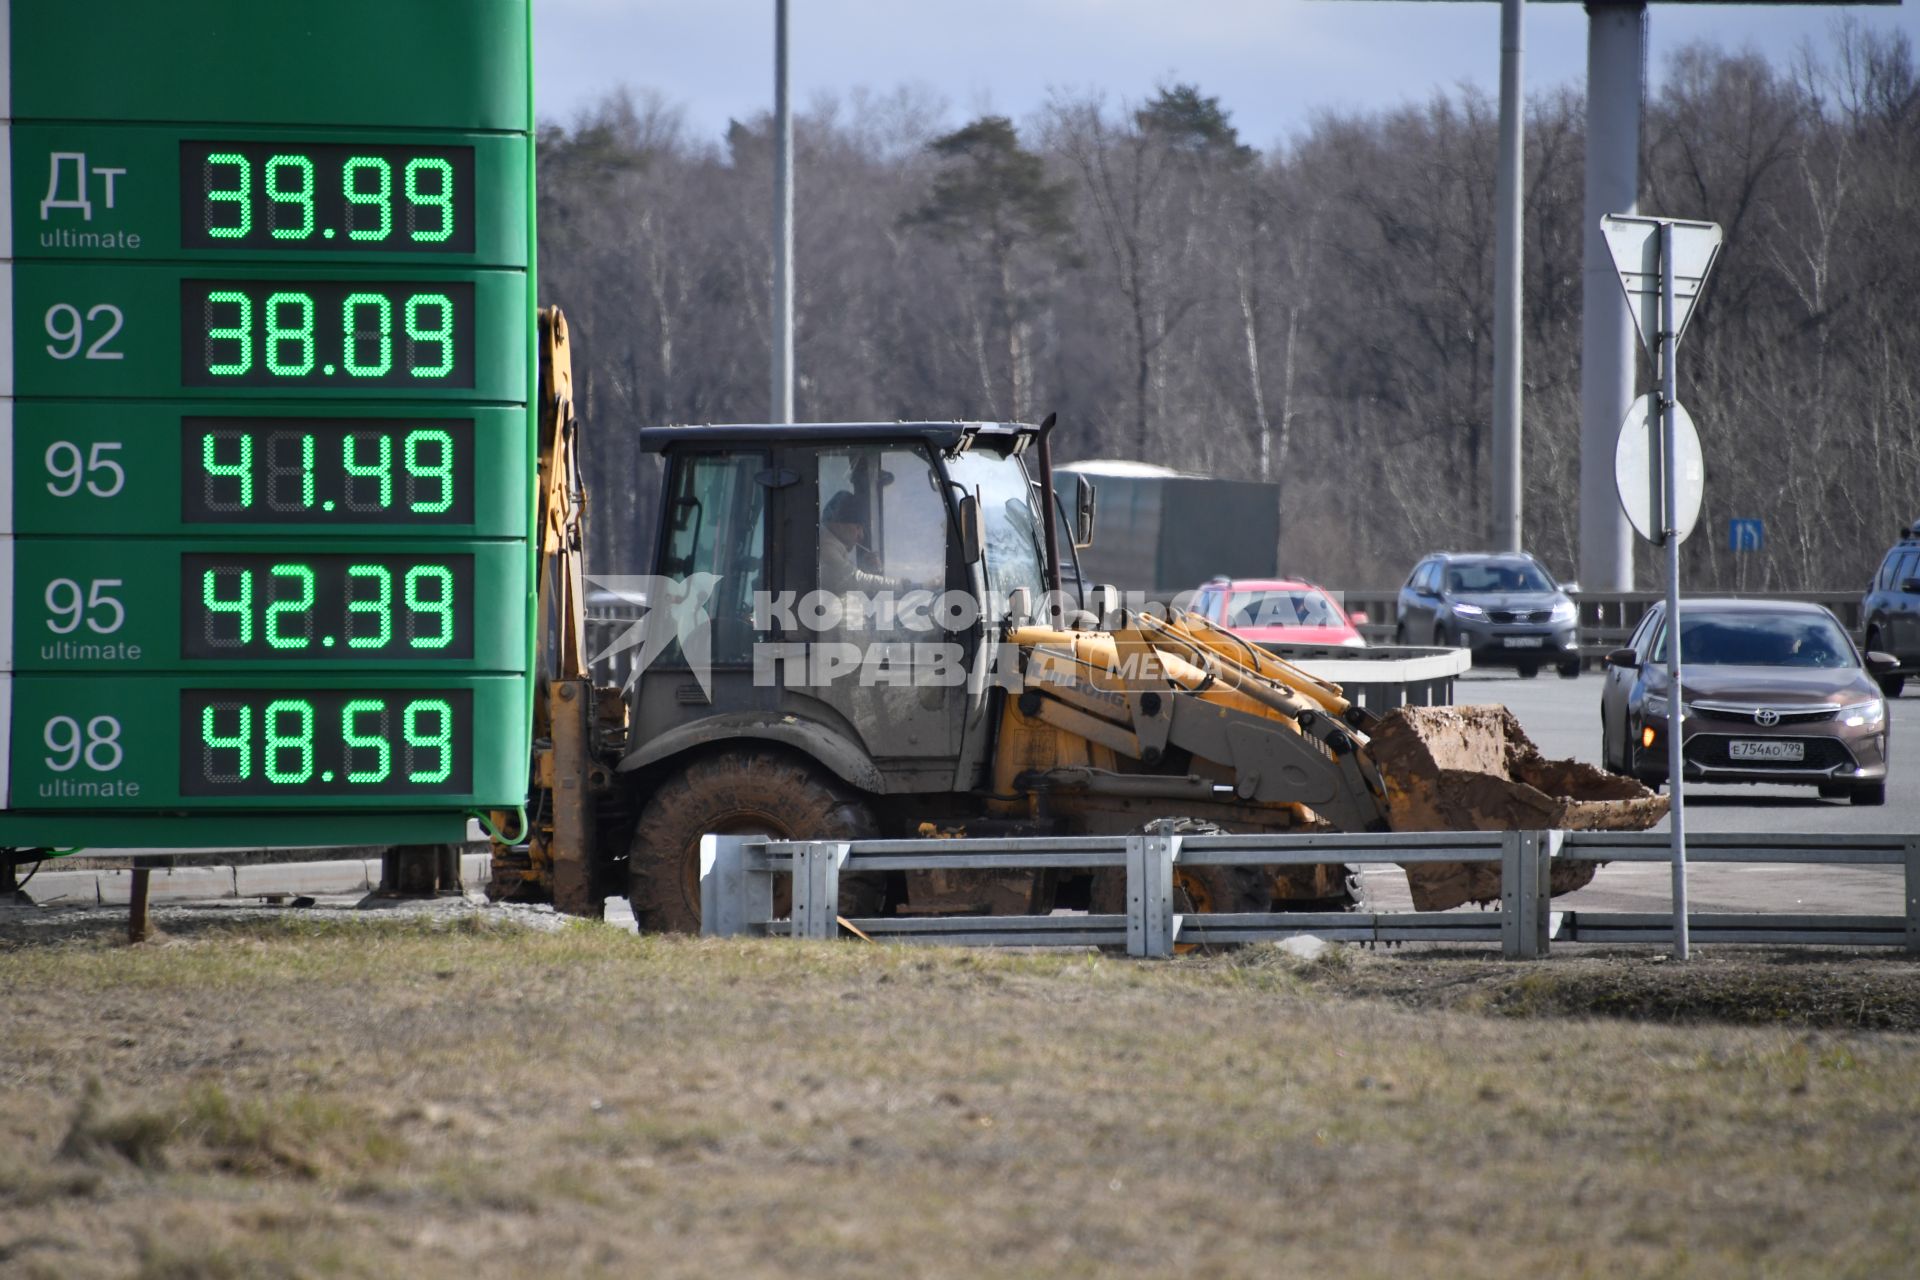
(1746, 535)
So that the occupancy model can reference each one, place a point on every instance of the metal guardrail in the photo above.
(737, 882)
(1382, 676)
(1607, 618)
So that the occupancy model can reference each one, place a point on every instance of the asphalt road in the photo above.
(1563, 719)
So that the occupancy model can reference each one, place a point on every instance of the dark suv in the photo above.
(1504, 606)
(1892, 610)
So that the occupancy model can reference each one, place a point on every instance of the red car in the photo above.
(1276, 611)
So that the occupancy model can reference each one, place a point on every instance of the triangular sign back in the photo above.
(1635, 245)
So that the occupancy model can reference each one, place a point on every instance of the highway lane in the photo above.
(1563, 719)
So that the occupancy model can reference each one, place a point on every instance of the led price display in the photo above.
(327, 471)
(236, 333)
(255, 195)
(267, 605)
(269, 742)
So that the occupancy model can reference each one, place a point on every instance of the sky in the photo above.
(1272, 63)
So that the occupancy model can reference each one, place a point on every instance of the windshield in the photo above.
(1300, 608)
(1006, 509)
(1496, 575)
(1759, 640)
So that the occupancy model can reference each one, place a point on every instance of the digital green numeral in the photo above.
(241, 740)
(241, 333)
(440, 739)
(240, 196)
(442, 470)
(381, 607)
(301, 741)
(440, 606)
(357, 741)
(216, 469)
(384, 309)
(441, 199)
(355, 469)
(300, 332)
(240, 606)
(418, 334)
(302, 196)
(301, 607)
(350, 178)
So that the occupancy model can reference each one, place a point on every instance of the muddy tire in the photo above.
(740, 792)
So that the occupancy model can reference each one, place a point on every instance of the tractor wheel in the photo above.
(740, 792)
(1198, 890)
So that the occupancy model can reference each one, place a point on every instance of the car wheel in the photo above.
(1570, 669)
(1892, 685)
(1400, 633)
(1440, 640)
(1608, 761)
(1835, 791)
(1872, 793)
(1528, 671)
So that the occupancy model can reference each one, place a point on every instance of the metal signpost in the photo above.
(267, 416)
(1663, 265)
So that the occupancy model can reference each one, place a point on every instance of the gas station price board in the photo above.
(267, 410)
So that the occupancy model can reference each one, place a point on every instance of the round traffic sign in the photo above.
(1633, 473)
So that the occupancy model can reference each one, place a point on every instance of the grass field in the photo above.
(386, 1099)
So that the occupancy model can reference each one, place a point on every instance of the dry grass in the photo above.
(373, 1100)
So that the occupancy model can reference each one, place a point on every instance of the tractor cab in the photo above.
(840, 589)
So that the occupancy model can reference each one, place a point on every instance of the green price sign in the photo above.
(209, 469)
(267, 420)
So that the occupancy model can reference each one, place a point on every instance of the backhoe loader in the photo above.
(858, 629)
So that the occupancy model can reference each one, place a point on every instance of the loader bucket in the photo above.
(1475, 769)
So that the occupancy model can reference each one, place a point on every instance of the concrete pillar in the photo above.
(1507, 356)
(781, 409)
(1616, 57)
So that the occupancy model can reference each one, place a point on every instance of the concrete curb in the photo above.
(206, 884)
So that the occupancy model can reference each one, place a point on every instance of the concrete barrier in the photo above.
(113, 886)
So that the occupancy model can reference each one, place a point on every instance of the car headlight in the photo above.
(1469, 610)
(1655, 708)
(1564, 611)
(1866, 715)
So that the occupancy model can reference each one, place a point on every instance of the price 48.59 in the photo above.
(271, 742)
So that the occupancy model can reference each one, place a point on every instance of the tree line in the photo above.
(1318, 313)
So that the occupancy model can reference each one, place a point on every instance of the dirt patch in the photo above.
(1475, 769)
(1732, 986)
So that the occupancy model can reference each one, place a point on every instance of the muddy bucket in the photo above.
(1475, 769)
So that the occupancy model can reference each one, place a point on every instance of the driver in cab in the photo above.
(844, 555)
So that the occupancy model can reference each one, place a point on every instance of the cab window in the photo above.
(714, 553)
